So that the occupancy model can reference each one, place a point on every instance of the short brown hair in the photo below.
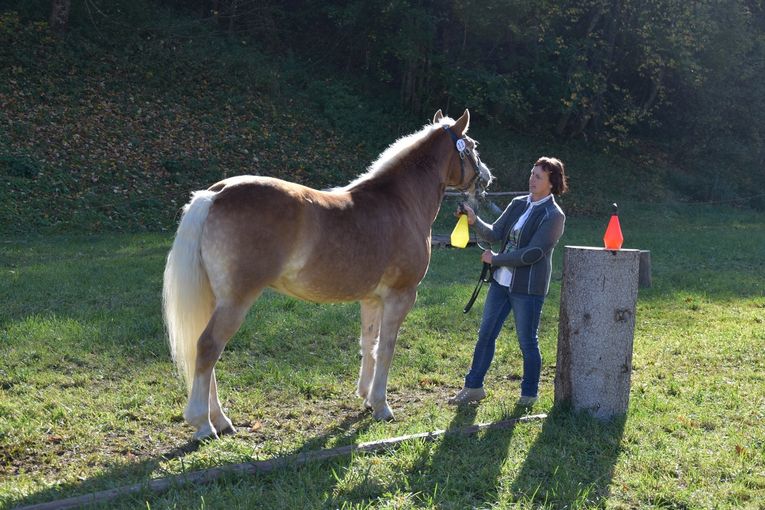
(557, 171)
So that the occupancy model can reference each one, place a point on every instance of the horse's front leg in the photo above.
(395, 307)
(222, 326)
(371, 315)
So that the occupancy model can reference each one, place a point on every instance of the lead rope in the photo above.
(484, 278)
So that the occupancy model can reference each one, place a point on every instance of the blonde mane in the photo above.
(395, 152)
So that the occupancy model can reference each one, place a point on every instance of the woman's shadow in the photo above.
(463, 450)
(572, 460)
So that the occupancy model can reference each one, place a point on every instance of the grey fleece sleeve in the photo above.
(496, 231)
(543, 240)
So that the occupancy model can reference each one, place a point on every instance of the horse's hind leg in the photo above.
(225, 321)
(371, 315)
(395, 307)
(219, 420)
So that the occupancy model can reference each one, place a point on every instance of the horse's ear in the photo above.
(461, 126)
(438, 116)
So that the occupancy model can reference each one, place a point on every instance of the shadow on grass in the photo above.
(114, 477)
(344, 433)
(572, 461)
(570, 464)
(460, 470)
(136, 475)
(464, 468)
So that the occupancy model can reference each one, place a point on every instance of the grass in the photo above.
(89, 400)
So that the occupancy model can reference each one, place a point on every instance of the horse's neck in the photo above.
(424, 194)
(417, 183)
(426, 185)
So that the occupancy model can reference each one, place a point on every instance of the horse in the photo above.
(368, 241)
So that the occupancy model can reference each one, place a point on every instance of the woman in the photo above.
(529, 230)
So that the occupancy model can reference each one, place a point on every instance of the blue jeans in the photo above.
(527, 311)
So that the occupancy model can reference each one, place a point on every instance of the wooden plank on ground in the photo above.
(252, 468)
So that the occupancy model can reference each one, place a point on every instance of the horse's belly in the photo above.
(321, 292)
(348, 280)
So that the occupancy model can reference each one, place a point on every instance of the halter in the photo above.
(461, 147)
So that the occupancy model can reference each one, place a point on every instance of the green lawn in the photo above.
(89, 399)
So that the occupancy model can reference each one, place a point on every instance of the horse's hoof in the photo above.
(228, 431)
(367, 405)
(222, 424)
(383, 414)
(205, 432)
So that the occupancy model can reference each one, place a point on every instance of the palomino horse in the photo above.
(367, 242)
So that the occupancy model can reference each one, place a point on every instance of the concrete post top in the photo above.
(595, 248)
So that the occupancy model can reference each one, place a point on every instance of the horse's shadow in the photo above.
(130, 473)
(134, 473)
(343, 433)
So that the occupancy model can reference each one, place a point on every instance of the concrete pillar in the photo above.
(596, 329)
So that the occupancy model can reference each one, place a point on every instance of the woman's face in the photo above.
(539, 183)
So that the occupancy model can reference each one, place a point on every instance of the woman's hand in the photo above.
(463, 208)
(487, 256)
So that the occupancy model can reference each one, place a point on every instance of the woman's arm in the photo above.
(496, 231)
(544, 239)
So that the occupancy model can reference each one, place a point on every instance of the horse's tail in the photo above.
(187, 297)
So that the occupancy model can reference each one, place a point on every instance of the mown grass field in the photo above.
(89, 399)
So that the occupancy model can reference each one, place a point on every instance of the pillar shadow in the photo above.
(571, 462)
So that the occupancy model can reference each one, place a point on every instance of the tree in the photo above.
(59, 15)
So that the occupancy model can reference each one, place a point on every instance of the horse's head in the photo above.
(466, 172)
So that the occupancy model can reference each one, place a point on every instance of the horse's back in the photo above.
(314, 245)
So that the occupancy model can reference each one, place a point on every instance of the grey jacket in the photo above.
(532, 260)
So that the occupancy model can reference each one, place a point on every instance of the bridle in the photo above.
(463, 150)
(475, 162)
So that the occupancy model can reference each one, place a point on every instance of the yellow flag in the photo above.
(461, 233)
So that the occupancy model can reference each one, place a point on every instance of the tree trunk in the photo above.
(654, 93)
(596, 329)
(565, 117)
(603, 66)
(59, 15)
(232, 17)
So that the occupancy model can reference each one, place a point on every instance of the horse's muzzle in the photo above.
(485, 178)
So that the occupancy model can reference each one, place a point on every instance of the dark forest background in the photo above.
(125, 105)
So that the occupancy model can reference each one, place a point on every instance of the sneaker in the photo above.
(527, 401)
(467, 395)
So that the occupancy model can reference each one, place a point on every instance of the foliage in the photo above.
(89, 399)
(99, 137)
(110, 126)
